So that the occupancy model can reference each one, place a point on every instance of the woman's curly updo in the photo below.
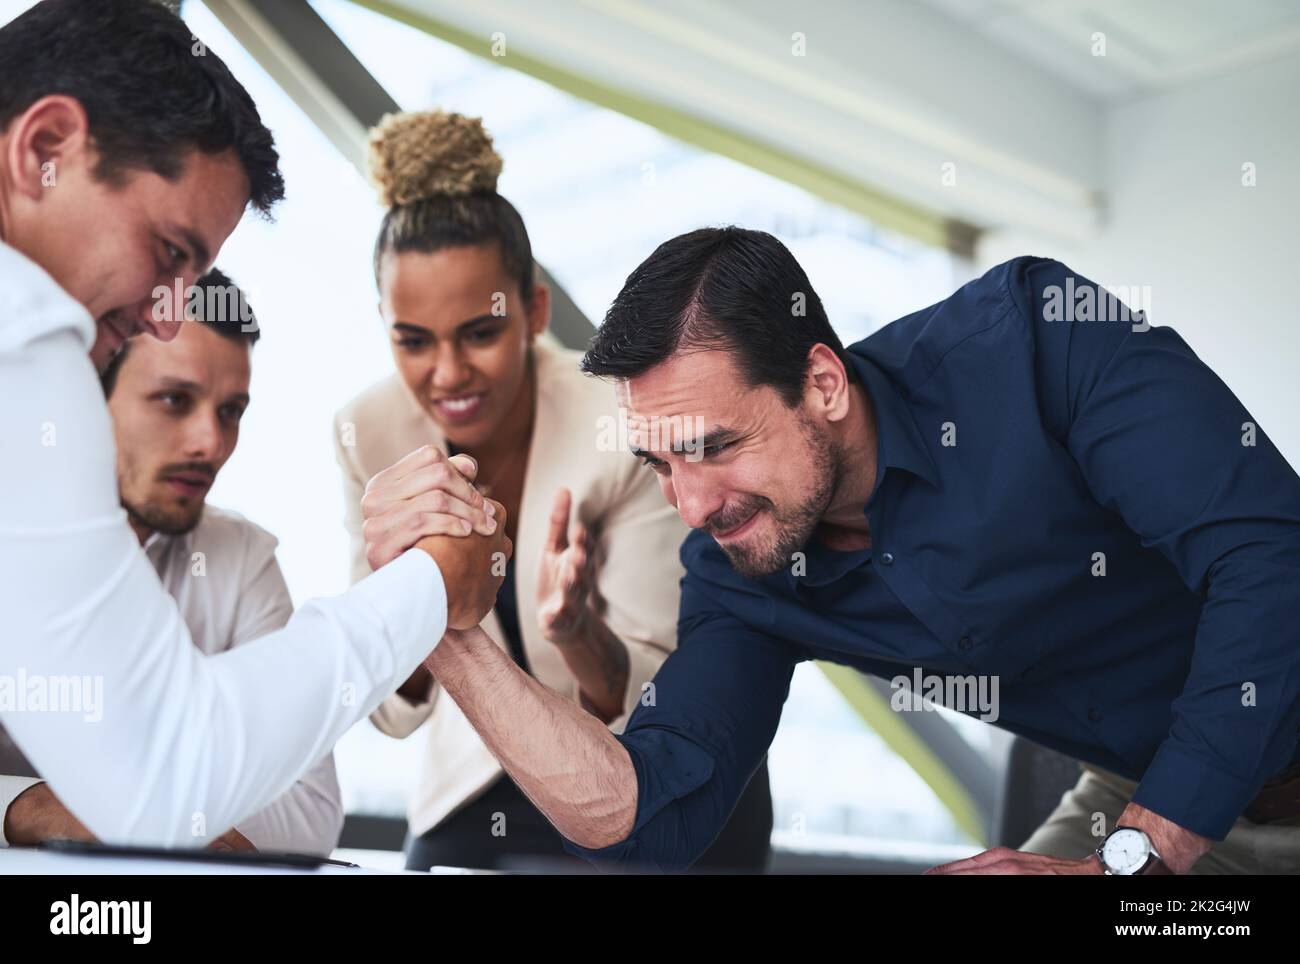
(437, 174)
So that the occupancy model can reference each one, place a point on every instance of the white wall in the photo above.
(1222, 260)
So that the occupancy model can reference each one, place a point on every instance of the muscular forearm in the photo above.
(598, 661)
(1179, 847)
(564, 759)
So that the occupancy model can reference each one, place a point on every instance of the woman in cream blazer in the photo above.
(589, 603)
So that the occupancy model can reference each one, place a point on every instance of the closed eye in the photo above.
(484, 335)
(173, 256)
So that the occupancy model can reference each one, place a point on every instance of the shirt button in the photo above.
(1094, 714)
(887, 558)
(965, 642)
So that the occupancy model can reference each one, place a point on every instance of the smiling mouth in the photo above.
(459, 408)
(120, 327)
(737, 529)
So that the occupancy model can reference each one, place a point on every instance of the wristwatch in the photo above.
(1129, 851)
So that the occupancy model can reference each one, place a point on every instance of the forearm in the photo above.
(598, 661)
(308, 819)
(36, 814)
(1178, 847)
(208, 716)
(564, 759)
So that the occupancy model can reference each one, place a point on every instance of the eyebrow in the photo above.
(421, 330)
(167, 382)
(709, 439)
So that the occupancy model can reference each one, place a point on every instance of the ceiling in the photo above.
(1150, 45)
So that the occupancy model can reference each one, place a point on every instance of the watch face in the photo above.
(1125, 851)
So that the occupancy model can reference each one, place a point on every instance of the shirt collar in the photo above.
(33, 305)
(160, 544)
(899, 444)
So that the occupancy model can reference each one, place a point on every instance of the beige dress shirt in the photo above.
(228, 587)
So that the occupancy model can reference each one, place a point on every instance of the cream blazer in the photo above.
(638, 534)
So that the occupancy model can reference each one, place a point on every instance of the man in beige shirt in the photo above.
(177, 408)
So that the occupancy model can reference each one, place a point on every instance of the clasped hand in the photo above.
(428, 501)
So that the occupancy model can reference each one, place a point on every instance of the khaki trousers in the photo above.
(1089, 811)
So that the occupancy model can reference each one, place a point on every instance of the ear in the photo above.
(828, 384)
(539, 311)
(47, 138)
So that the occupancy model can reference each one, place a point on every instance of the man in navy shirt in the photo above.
(1022, 484)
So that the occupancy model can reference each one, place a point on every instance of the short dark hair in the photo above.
(234, 319)
(151, 92)
(725, 288)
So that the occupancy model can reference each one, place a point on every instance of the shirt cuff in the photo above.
(1193, 794)
(411, 598)
(10, 789)
(667, 768)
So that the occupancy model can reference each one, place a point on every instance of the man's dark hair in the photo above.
(218, 303)
(717, 288)
(152, 93)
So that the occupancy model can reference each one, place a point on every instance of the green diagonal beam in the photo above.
(874, 710)
(880, 208)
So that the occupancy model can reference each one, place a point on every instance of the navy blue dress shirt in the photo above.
(1014, 446)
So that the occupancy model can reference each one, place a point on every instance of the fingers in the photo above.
(421, 457)
(580, 553)
(498, 513)
(440, 475)
(557, 538)
(471, 570)
(401, 499)
(971, 863)
(575, 576)
(425, 468)
(437, 513)
(432, 514)
(465, 465)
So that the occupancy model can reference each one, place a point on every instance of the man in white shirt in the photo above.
(177, 408)
(126, 159)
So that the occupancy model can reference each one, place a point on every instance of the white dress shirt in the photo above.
(186, 743)
(230, 591)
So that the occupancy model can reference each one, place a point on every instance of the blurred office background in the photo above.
(899, 147)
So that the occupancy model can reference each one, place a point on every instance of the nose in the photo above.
(203, 436)
(163, 312)
(694, 499)
(449, 369)
(163, 330)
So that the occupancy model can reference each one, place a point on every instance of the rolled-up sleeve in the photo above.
(699, 733)
(642, 599)
(1161, 440)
